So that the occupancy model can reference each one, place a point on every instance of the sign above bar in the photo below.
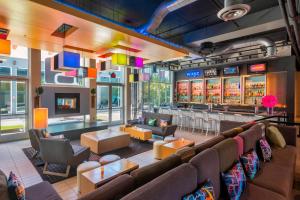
(194, 73)
(234, 70)
(257, 68)
(212, 72)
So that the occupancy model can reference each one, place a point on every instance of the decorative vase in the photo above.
(36, 101)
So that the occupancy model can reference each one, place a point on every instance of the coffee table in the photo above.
(139, 133)
(105, 140)
(91, 180)
(171, 147)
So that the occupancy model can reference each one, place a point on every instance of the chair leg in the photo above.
(35, 155)
(46, 171)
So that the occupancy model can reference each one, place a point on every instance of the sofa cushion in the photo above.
(145, 174)
(207, 165)
(206, 192)
(275, 136)
(251, 136)
(16, 189)
(226, 125)
(250, 162)
(115, 189)
(284, 156)
(172, 185)
(230, 133)
(3, 186)
(152, 122)
(235, 181)
(227, 153)
(265, 150)
(276, 178)
(43, 190)
(209, 143)
(163, 123)
(186, 153)
(254, 192)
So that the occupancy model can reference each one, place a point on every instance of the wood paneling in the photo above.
(31, 24)
(276, 85)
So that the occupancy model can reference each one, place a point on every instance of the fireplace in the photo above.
(67, 103)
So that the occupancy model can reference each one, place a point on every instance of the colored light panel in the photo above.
(91, 73)
(40, 118)
(66, 61)
(119, 59)
(145, 77)
(139, 62)
(258, 68)
(72, 73)
(5, 47)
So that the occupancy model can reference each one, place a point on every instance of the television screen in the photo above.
(257, 68)
(231, 70)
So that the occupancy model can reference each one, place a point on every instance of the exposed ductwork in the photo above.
(267, 43)
(161, 12)
(233, 9)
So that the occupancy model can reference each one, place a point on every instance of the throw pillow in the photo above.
(141, 120)
(250, 162)
(16, 189)
(276, 137)
(266, 151)
(151, 122)
(163, 123)
(206, 192)
(235, 181)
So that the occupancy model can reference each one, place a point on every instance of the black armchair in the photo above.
(60, 151)
(35, 135)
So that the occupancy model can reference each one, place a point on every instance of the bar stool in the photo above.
(183, 120)
(194, 119)
(208, 122)
(219, 118)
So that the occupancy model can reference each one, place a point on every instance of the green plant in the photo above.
(39, 91)
(93, 91)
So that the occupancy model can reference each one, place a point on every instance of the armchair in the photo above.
(60, 151)
(35, 135)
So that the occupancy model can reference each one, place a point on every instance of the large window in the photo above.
(158, 90)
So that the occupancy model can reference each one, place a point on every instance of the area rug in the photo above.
(135, 147)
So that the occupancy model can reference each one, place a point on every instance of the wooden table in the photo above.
(93, 179)
(171, 147)
(139, 133)
(105, 140)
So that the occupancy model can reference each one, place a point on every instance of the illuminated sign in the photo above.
(211, 72)
(231, 70)
(257, 68)
(194, 73)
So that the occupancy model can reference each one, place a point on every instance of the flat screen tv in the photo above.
(231, 71)
(257, 68)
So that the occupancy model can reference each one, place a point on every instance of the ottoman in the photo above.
(84, 167)
(157, 149)
(108, 159)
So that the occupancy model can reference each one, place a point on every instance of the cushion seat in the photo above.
(259, 193)
(155, 129)
(43, 190)
(284, 157)
(275, 178)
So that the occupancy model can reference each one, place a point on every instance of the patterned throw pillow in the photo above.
(16, 189)
(250, 162)
(141, 120)
(206, 192)
(266, 150)
(151, 122)
(235, 181)
(163, 123)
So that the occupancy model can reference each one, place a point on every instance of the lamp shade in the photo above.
(4, 46)
(119, 59)
(40, 118)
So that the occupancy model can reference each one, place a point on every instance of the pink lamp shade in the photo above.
(269, 101)
(40, 118)
(139, 62)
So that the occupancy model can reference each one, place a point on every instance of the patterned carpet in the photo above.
(135, 147)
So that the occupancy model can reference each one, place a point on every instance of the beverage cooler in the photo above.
(232, 90)
(254, 89)
(183, 91)
(197, 91)
(213, 90)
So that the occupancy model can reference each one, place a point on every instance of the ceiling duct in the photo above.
(162, 11)
(233, 9)
(268, 44)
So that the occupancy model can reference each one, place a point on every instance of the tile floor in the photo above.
(13, 159)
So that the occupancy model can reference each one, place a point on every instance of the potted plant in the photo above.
(38, 91)
(93, 97)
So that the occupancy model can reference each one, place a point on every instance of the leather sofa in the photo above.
(156, 129)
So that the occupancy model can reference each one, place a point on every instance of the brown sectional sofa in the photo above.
(170, 179)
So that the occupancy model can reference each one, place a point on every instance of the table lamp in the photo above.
(40, 118)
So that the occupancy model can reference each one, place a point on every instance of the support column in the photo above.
(34, 77)
(127, 100)
(93, 84)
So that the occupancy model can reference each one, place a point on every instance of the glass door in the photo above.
(110, 103)
(13, 109)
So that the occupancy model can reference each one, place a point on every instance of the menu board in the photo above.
(232, 90)
(231, 71)
(183, 91)
(212, 72)
(257, 68)
(255, 89)
(213, 90)
(197, 91)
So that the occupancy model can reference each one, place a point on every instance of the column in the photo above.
(93, 84)
(127, 99)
